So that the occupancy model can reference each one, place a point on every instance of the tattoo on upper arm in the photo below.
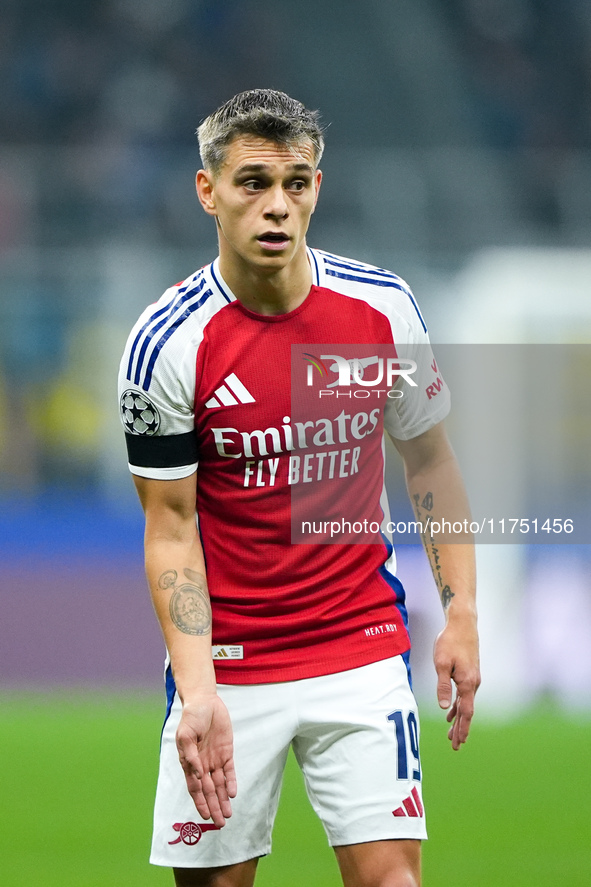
(189, 606)
(431, 548)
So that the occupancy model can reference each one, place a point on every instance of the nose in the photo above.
(276, 204)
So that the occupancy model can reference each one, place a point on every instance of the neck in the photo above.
(268, 290)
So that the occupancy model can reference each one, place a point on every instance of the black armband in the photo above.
(165, 451)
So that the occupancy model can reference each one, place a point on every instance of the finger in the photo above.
(219, 781)
(444, 692)
(203, 795)
(461, 726)
(195, 789)
(201, 804)
(465, 720)
(467, 682)
(453, 717)
(189, 755)
(194, 772)
(230, 776)
(452, 712)
(460, 733)
(212, 801)
(192, 767)
(453, 730)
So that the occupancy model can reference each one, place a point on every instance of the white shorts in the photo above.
(355, 735)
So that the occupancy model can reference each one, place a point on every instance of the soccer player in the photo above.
(271, 643)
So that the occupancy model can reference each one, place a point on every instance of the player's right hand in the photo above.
(205, 746)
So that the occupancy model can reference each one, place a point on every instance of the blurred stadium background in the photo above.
(459, 155)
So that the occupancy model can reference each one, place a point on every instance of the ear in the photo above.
(205, 191)
(317, 183)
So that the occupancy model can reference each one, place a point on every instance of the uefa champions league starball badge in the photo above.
(139, 414)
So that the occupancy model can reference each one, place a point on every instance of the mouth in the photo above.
(273, 240)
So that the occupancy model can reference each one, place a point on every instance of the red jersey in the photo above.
(286, 432)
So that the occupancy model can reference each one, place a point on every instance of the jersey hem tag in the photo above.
(227, 651)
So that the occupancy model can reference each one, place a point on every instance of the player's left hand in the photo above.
(456, 659)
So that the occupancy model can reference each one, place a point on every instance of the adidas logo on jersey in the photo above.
(411, 806)
(230, 394)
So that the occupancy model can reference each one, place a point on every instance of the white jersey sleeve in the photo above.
(423, 404)
(157, 390)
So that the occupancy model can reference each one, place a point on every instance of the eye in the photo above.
(298, 185)
(253, 185)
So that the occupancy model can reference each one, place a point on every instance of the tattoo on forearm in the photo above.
(427, 501)
(189, 605)
(430, 547)
(195, 577)
(446, 596)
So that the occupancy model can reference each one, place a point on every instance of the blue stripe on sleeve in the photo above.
(363, 269)
(172, 306)
(142, 331)
(163, 311)
(168, 333)
(389, 283)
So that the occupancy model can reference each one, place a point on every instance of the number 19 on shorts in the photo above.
(407, 740)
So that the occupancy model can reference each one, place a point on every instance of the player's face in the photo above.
(262, 200)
